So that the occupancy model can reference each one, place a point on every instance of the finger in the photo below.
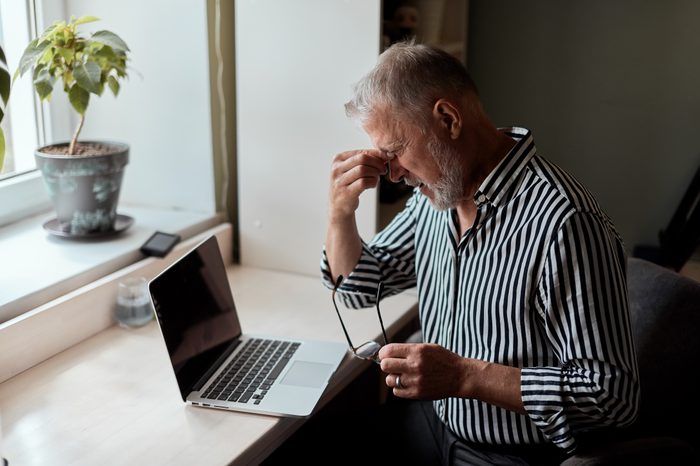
(345, 173)
(403, 391)
(374, 158)
(396, 350)
(394, 365)
(361, 159)
(356, 173)
(345, 155)
(362, 184)
(365, 152)
(390, 381)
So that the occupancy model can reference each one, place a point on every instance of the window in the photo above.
(21, 190)
(169, 133)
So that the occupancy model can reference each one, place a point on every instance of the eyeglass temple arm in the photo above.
(380, 289)
(342, 324)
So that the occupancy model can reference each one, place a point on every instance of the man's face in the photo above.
(420, 160)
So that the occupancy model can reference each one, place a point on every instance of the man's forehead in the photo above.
(385, 131)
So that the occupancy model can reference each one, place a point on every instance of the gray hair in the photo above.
(407, 80)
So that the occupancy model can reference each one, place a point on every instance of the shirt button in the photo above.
(481, 198)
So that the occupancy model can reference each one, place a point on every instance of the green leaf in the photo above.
(67, 54)
(103, 52)
(30, 55)
(38, 69)
(2, 149)
(44, 84)
(93, 48)
(86, 19)
(111, 39)
(3, 60)
(88, 76)
(4, 85)
(113, 84)
(68, 35)
(55, 25)
(44, 89)
(79, 98)
(47, 56)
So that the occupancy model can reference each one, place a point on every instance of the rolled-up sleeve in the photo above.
(388, 258)
(582, 301)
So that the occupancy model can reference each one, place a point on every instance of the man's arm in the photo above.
(352, 173)
(582, 297)
(431, 372)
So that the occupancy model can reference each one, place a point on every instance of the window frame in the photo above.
(22, 194)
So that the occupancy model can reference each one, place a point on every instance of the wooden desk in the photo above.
(113, 400)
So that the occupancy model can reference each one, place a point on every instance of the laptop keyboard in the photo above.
(251, 373)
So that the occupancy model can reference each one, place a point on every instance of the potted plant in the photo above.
(83, 178)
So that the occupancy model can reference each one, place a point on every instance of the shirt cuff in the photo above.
(359, 289)
(541, 394)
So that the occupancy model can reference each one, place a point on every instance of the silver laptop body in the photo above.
(197, 317)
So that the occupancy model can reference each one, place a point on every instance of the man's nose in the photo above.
(396, 171)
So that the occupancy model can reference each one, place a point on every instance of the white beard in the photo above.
(448, 190)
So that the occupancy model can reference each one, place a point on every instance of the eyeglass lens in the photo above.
(369, 350)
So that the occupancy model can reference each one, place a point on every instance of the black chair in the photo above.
(665, 318)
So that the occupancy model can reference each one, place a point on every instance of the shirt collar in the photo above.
(498, 183)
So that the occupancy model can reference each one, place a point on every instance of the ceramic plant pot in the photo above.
(84, 188)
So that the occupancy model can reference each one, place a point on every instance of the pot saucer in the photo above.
(121, 223)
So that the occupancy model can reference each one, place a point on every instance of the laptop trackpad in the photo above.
(308, 374)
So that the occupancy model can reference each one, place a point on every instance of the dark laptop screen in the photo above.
(195, 311)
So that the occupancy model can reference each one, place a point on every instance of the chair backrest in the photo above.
(665, 319)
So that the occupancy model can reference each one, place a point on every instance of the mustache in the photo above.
(412, 182)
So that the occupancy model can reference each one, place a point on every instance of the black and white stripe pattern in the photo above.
(538, 282)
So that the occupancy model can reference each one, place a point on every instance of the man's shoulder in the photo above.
(569, 199)
(571, 194)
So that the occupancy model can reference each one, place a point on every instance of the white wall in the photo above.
(163, 110)
(610, 89)
(296, 62)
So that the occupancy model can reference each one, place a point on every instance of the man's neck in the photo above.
(489, 151)
(466, 214)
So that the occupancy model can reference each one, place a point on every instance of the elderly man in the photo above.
(520, 274)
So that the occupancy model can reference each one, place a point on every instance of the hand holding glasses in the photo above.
(370, 349)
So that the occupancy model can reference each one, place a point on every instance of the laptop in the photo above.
(217, 365)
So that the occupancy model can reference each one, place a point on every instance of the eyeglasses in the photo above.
(370, 349)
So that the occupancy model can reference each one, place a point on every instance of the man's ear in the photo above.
(448, 117)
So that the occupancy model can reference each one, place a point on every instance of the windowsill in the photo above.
(38, 267)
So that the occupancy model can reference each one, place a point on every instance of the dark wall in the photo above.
(611, 90)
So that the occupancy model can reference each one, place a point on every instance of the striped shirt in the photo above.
(538, 282)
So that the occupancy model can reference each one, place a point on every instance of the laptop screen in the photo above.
(195, 311)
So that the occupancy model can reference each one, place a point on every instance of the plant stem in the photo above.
(74, 139)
